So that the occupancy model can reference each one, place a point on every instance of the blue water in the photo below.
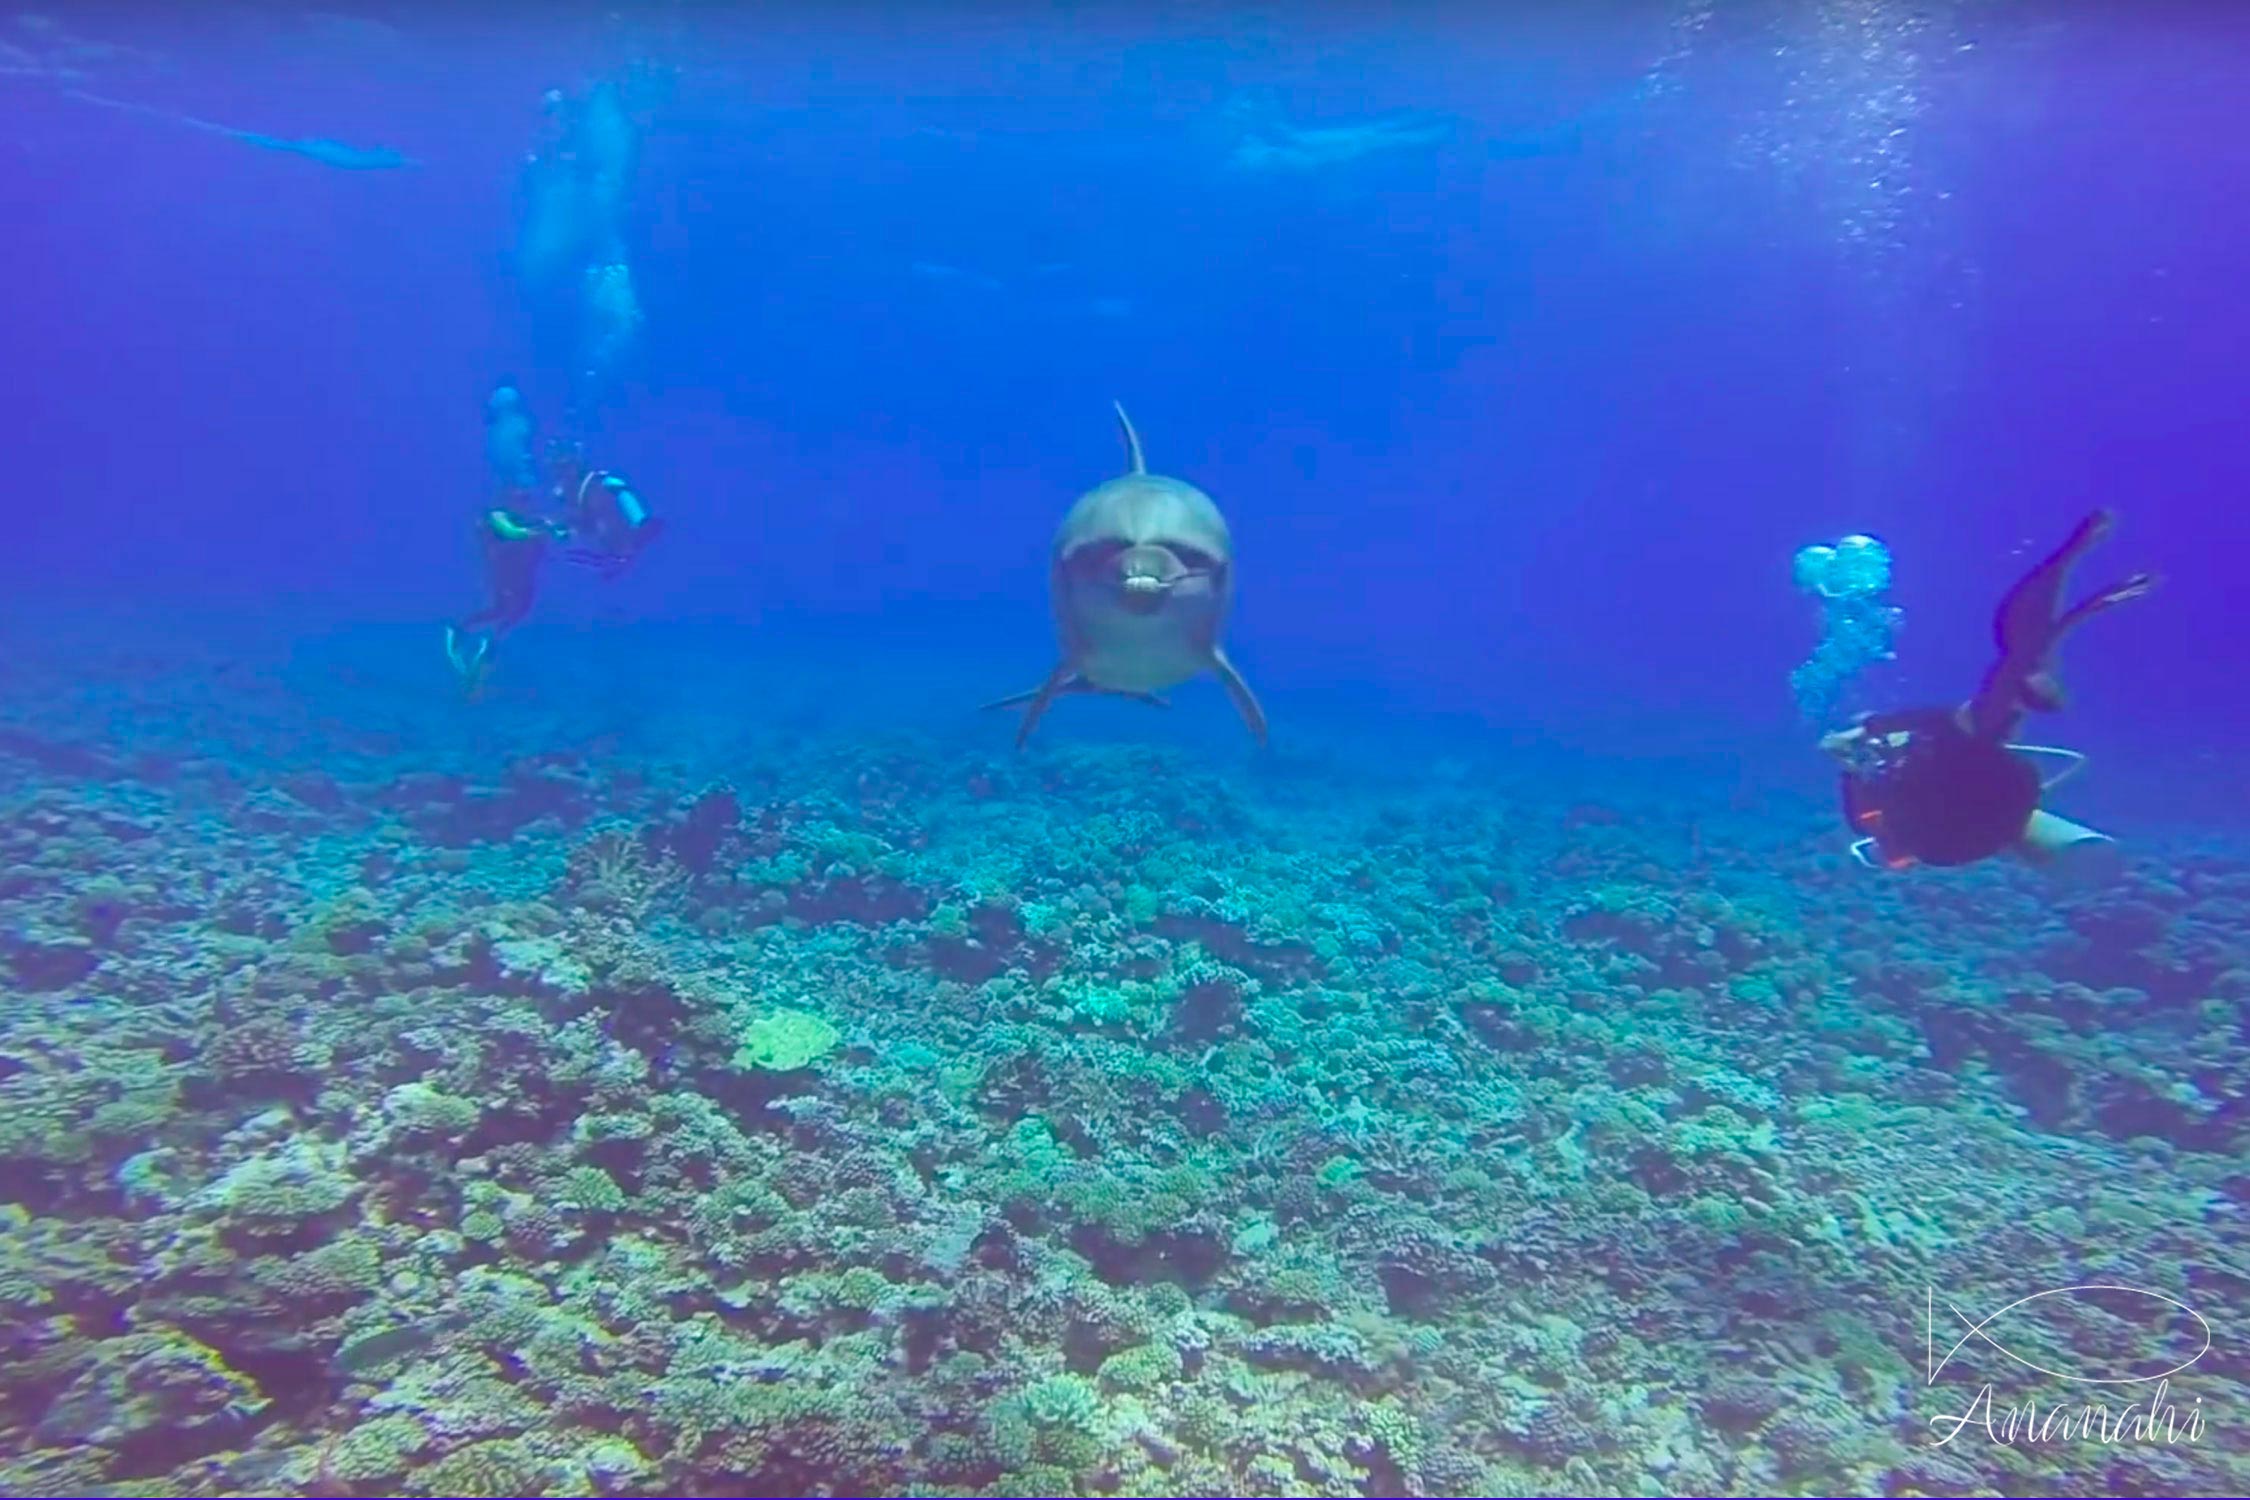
(1524, 422)
(1522, 349)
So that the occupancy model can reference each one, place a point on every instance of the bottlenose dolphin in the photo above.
(315, 148)
(1141, 578)
(1277, 145)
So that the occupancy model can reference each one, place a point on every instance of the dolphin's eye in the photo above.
(1095, 559)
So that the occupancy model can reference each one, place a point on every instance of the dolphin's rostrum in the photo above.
(1142, 577)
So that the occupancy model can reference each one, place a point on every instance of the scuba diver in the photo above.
(607, 524)
(592, 513)
(514, 544)
(1946, 786)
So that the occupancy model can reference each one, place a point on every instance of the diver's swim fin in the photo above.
(470, 668)
(2139, 586)
(2081, 856)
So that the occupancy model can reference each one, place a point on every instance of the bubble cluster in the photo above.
(507, 439)
(1846, 132)
(1858, 628)
(612, 313)
(1856, 567)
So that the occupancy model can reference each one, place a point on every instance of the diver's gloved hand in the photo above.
(609, 562)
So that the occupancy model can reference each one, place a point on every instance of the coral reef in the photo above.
(897, 1116)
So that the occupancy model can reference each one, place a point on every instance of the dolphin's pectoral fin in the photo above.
(1034, 703)
(1015, 700)
(1065, 679)
(1078, 684)
(1245, 701)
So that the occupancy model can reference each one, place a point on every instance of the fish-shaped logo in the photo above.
(2166, 1317)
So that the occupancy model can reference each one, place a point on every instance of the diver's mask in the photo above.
(1869, 751)
(566, 461)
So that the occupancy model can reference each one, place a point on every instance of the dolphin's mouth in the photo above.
(1142, 577)
(1143, 593)
(1146, 575)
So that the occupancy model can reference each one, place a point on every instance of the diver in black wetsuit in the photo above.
(592, 513)
(608, 524)
(1938, 786)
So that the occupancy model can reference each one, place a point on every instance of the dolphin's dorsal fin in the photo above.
(1132, 439)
